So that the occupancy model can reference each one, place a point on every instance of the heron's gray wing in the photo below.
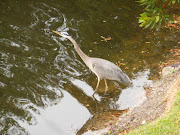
(106, 69)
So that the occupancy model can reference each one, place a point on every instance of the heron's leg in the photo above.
(106, 85)
(97, 85)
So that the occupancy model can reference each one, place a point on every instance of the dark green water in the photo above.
(45, 88)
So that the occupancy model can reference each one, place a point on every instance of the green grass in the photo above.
(169, 124)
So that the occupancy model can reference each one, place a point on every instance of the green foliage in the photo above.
(155, 12)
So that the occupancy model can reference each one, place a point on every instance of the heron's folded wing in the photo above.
(107, 70)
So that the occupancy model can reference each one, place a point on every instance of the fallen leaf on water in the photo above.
(126, 68)
(106, 39)
(119, 64)
(87, 105)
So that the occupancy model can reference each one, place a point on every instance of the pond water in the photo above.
(45, 88)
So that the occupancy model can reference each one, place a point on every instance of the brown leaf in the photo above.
(106, 39)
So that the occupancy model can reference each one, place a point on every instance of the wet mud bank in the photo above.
(160, 98)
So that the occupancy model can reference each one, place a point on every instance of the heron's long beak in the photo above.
(56, 32)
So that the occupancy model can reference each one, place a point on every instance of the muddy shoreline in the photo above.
(159, 101)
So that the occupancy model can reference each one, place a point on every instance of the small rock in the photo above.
(143, 122)
(166, 71)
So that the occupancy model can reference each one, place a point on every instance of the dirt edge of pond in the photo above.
(159, 101)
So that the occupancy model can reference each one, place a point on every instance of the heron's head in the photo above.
(63, 34)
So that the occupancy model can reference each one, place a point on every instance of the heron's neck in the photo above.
(83, 56)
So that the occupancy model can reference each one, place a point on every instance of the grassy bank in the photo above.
(169, 124)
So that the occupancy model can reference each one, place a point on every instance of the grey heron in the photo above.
(102, 68)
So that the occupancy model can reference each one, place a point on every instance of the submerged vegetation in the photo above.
(156, 12)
